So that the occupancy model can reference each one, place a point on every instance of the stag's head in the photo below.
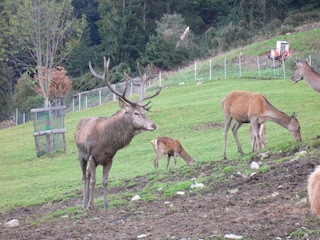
(137, 116)
(299, 70)
(133, 111)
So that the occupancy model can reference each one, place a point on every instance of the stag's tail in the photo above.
(314, 190)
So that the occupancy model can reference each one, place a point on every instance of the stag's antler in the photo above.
(143, 81)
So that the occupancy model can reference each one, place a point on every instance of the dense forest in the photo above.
(40, 37)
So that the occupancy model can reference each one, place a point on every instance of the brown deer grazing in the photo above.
(304, 71)
(98, 139)
(314, 190)
(254, 108)
(262, 132)
(171, 147)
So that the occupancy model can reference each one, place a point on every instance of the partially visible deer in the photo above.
(304, 71)
(98, 139)
(262, 132)
(254, 108)
(171, 147)
(314, 190)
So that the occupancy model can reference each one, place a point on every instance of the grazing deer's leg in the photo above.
(168, 160)
(235, 128)
(227, 123)
(91, 170)
(106, 169)
(155, 162)
(175, 158)
(256, 138)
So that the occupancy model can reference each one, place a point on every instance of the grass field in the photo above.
(182, 112)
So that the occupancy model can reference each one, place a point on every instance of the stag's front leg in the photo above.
(235, 128)
(91, 171)
(106, 169)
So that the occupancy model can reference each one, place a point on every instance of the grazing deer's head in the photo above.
(294, 128)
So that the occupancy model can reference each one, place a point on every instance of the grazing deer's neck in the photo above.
(313, 79)
(185, 155)
(275, 115)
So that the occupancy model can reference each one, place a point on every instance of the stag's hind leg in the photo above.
(91, 178)
(85, 181)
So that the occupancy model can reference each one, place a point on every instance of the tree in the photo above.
(5, 93)
(48, 30)
(60, 84)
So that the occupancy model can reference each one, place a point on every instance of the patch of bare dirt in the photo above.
(263, 207)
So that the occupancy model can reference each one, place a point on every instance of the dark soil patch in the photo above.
(263, 207)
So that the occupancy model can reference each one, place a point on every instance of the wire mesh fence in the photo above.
(241, 66)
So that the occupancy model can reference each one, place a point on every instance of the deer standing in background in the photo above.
(304, 71)
(171, 147)
(254, 108)
(262, 132)
(98, 139)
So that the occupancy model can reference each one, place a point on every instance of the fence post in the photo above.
(210, 70)
(195, 71)
(113, 95)
(283, 69)
(17, 115)
(79, 102)
(274, 68)
(225, 68)
(160, 84)
(258, 65)
(240, 64)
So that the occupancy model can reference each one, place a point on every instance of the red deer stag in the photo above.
(171, 147)
(98, 139)
(304, 71)
(262, 132)
(254, 108)
(314, 190)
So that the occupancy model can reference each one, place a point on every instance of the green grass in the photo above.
(181, 112)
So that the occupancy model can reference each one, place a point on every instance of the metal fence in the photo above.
(241, 66)
(207, 70)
